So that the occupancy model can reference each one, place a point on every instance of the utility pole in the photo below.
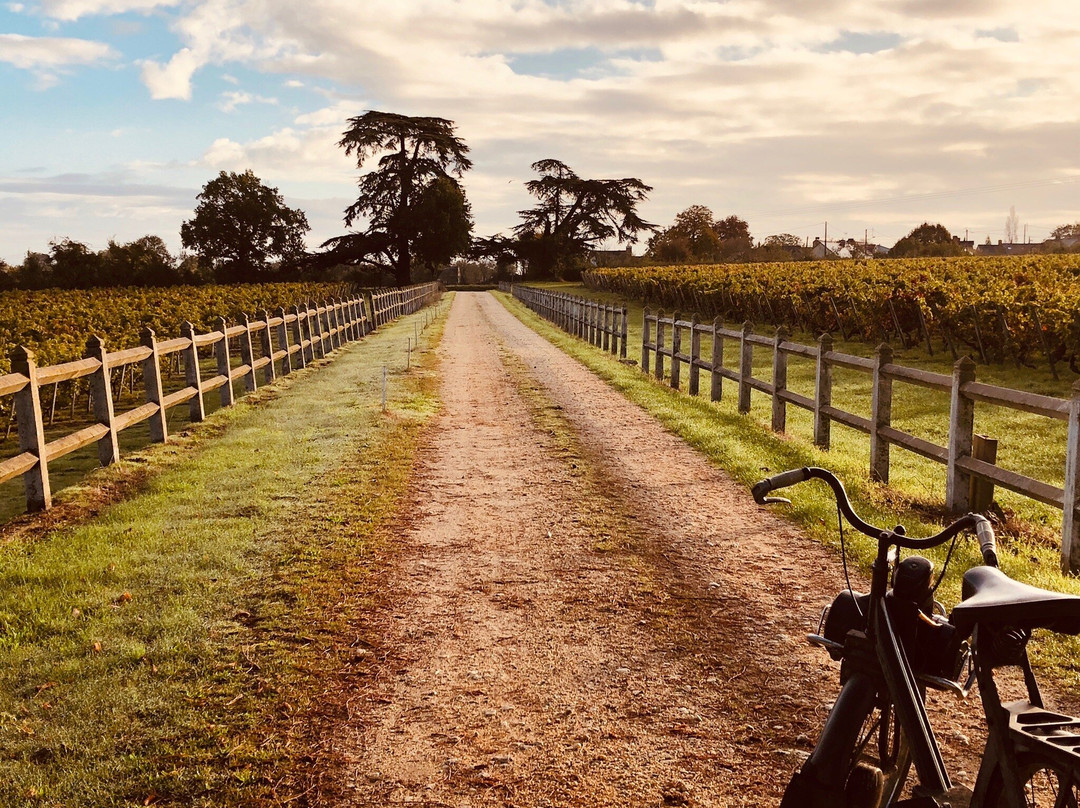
(826, 243)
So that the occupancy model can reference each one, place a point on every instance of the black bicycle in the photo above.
(895, 642)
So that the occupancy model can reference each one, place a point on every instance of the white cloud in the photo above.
(51, 53)
(173, 79)
(233, 99)
(68, 10)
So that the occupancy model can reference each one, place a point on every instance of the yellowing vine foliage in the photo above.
(1002, 306)
(56, 323)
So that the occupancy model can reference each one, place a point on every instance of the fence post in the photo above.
(746, 366)
(823, 393)
(269, 373)
(695, 355)
(644, 340)
(192, 376)
(676, 349)
(961, 428)
(298, 333)
(283, 343)
(609, 328)
(716, 387)
(247, 357)
(101, 392)
(1070, 527)
(333, 323)
(880, 416)
(779, 373)
(625, 330)
(659, 352)
(221, 349)
(32, 431)
(159, 428)
(315, 329)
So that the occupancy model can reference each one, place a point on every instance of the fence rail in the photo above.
(599, 324)
(662, 339)
(287, 339)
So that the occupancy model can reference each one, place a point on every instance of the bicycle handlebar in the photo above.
(980, 524)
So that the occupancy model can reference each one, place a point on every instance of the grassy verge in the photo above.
(187, 644)
(747, 449)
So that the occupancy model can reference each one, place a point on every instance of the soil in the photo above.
(582, 611)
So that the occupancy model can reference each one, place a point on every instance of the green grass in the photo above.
(183, 645)
(747, 449)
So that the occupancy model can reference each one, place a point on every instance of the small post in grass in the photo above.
(982, 491)
(384, 388)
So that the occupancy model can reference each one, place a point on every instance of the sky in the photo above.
(869, 116)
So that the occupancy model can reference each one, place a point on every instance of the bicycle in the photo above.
(895, 641)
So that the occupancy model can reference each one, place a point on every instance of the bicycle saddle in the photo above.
(990, 596)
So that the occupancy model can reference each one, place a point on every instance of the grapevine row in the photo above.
(996, 308)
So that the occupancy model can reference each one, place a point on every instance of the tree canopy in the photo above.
(697, 236)
(926, 240)
(412, 203)
(574, 215)
(241, 225)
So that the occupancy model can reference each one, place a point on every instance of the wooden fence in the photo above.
(287, 339)
(663, 338)
(597, 323)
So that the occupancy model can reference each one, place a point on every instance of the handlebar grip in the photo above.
(782, 480)
(987, 543)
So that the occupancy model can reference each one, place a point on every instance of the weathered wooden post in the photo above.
(676, 349)
(32, 431)
(315, 329)
(779, 372)
(746, 366)
(981, 493)
(192, 376)
(880, 415)
(716, 386)
(298, 335)
(659, 352)
(1070, 527)
(625, 330)
(247, 356)
(101, 394)
(695, 355)
(159, 428)
(269, 373)
(224, 365)
(645, 340)
(823, 379)
(283, 342)
(961, 428)
(333, 313)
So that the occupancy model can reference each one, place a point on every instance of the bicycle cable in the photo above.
(843, 558)
(945, 566)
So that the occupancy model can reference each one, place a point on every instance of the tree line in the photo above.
(412, 218)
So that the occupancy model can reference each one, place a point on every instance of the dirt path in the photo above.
(585, 612)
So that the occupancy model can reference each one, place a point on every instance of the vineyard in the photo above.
(54, 323)
(996, 308)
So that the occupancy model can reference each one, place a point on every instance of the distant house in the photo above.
(820, 251)
(1001, 248)
(611, 258)
(849, 248)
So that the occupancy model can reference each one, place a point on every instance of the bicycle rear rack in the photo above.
(1055, 734)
